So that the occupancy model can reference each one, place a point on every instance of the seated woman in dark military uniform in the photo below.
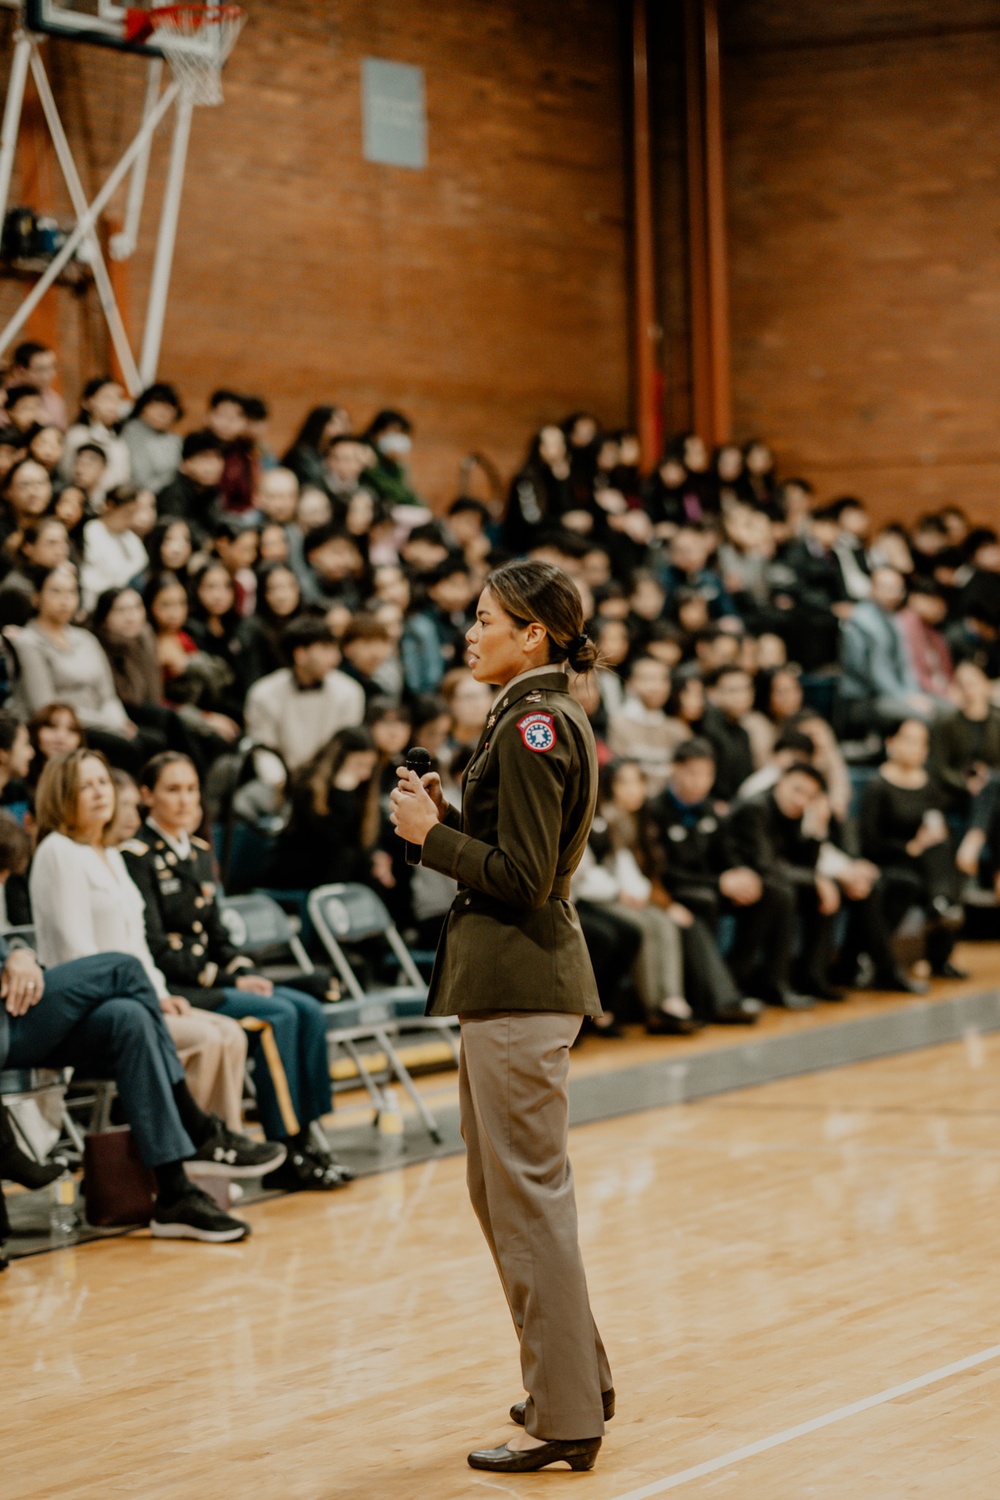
(189, 942)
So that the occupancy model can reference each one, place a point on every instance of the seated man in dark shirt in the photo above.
(697, 873)
(194, 493)
(730, 691)
(766, 834)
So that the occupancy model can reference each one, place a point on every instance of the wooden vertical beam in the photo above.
(716, 231)
(646, 330)
(700, 342)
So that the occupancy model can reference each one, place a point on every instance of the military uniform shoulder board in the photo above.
(200, 843)
(538, 731)
(134, 846)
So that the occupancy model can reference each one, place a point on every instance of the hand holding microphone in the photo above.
(415, 807)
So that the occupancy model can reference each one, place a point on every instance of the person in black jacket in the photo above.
(904, 832)
(541, 493)
(695, 869)
(731, 691)
(194, 492)
(217, 629)
(336, 821)
(766, 834)
(191, 946)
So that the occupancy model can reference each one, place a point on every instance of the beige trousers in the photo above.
(658, 973)
(213, 1054)
(515, 1123)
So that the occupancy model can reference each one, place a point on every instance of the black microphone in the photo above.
(418, 760)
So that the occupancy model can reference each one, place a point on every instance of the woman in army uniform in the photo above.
(189, 942)
(513, 965)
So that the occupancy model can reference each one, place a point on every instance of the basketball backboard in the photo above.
(103, 23)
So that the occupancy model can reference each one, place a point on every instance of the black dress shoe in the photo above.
(900, 981)
(948, 970)
(744, 1012)
(579, 1455)
(666, 1024)
(607, 1399)
(821, 990)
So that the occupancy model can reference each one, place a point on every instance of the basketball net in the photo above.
(195, 39)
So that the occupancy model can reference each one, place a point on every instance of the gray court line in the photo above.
(713, 1465)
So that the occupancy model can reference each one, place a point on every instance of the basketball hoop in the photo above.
(195, 39)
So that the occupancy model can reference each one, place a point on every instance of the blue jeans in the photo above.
(100, 1015)
(299, 1027)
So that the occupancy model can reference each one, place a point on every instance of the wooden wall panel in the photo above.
(864, 194)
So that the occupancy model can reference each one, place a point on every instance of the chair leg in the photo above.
(363, 1073)
(402, 1073)
(71, 1129)
(104, 1096)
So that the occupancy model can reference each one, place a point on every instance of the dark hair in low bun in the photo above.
(540, 592)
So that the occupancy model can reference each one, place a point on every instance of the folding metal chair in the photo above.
(346, 914)
(257, 926)
(33, 1083)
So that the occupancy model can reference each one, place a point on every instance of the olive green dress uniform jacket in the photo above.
(512, 940)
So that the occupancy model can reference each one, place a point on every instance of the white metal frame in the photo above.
(108, 22)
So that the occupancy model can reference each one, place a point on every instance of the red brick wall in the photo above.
(484, 295)
(489, 292)
(864, 194)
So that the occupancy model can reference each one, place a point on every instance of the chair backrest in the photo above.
(255, 922)
(353, 914)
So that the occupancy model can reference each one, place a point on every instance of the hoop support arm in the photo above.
(102, 280)
(86, 224)
(159, 285)
(123, 244)
(12, 115)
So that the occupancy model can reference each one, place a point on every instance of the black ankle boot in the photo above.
(18, 1167)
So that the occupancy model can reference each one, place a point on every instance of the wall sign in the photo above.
(393, 113)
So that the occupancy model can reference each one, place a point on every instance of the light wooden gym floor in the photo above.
(758, 1261)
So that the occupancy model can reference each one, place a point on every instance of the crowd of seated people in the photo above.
(797, 716)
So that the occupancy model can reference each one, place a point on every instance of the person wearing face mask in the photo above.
(389, 436)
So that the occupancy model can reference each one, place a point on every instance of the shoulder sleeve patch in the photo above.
(538, 731)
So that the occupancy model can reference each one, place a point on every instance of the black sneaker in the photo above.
(226, 1154)
(308, 1172)
(196, 1217)
(325, 1156)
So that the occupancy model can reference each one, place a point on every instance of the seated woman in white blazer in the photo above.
(84, 901)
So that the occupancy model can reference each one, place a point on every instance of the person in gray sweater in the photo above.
(61, 663)
(154, 448)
